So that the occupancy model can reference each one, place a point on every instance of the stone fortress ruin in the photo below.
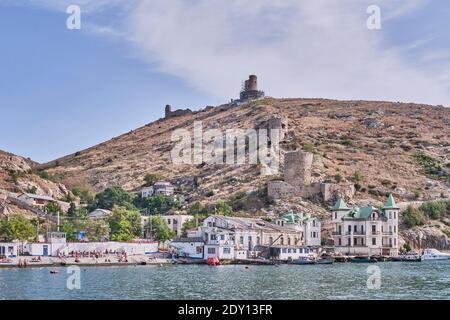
(250, 90)
(298, 182)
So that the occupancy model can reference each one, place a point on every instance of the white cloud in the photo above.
(318, 48)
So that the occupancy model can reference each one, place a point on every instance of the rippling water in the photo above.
(426, 280)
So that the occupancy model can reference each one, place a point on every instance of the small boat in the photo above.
(363, 259)
(410, 256)
(325, 261)
(302, 261)
(213, 261)
(433, 254)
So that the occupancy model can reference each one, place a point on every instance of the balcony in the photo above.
(359, 233)
(388, 233)
(375, 233)
(336, 233)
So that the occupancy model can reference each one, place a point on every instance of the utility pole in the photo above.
(58, 222)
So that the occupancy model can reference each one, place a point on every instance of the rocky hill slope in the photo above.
(18, 174)
(379, 146)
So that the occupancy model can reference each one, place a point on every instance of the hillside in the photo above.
(18, 174)
(380, 146)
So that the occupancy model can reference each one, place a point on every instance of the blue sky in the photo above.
(65, 90)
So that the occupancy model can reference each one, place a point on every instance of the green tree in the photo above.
(198, 208)
(412, 217)
(160, 204)
(160, 229)
(151, 178)
(124, 224)
(17, 228)
(114, 196)
(86, 195)
(53, 207)
(191, 224)
(434, 209)
(222, 208)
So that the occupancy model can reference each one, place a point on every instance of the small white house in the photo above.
(9, 249)
(189, 247)
(146, 192)
(290, 253)
(163, 188)
(99, 214)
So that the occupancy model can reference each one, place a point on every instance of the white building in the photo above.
(309, 227)
(9, 250)
(99, 214)
(189, 247)
(146, 192)
(290, 253)
(367, 230)
(174, 222)
(159, 188)
(244, 238)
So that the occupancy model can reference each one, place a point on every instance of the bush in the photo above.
(358, 176)
(435, 209)
(309, 147)
(125, 224)
(151, 178)
(114, 196)
(338, 178)
(17, 228)
(413, 217)
(431, 167)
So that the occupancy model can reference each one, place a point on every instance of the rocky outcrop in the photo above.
(426, 237)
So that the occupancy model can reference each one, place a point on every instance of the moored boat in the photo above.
(434, 254)
(302, 261)
(363, 259)
(325, 261)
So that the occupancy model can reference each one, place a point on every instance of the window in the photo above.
(355, 228)
(222, 237)
(168, 221)
(289, 241)
(349, 241)
(335, 215)
(390, 215)
(355, 241)
(289, 250)
(282, 241)
(374, 228)
(340, 241)
(362, 229)
(213, 237)
(226, 250)
(241, 240)
(374, 241)
(211, 250)
(199, 249)
(395, 229)
(249, 238)
(395, 241)
(349, 229)
(395, 215)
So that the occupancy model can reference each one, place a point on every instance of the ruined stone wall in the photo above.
(297, 168)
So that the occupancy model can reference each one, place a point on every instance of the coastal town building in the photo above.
(234, 238)
(174, 222)
(366, 230)
(35, 200)
(99, 214)
(189, 247)
(9, 250)
(310, 227)
(159, 188)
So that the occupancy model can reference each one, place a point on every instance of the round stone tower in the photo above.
(297, 168)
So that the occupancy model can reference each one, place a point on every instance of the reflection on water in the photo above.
(405, 280)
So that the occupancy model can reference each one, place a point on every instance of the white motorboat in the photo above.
(433, 254)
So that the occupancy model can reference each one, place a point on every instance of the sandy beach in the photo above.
(106, 260)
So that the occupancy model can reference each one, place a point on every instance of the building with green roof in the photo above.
(367, 230)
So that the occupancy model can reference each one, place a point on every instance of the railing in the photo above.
(336, 233)
(375, 233)
(359, 233)
(388, 233)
